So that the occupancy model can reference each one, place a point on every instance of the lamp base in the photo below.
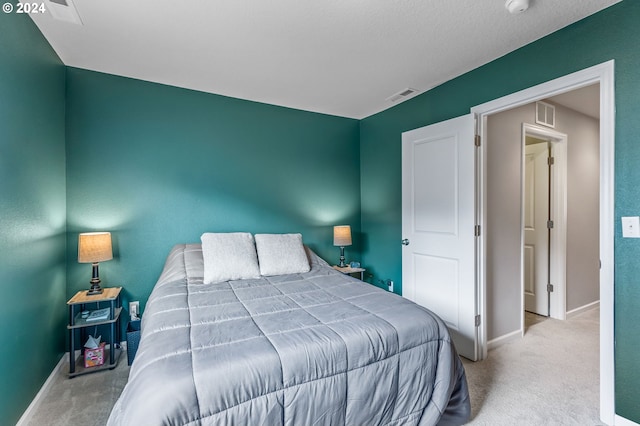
(95, 282)
(93, 291)
(342, 264)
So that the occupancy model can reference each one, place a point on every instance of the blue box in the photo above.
(133, 340)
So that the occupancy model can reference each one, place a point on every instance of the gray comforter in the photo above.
(319, 348)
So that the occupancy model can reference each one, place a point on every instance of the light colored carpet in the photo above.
(550, 377)
(83, 400)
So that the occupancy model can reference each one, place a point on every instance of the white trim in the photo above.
(502, 340)
(481, 292)
(480, 192)
(558, 303)
(26, 416)
(621, 421)
(582, 309)
(603, 74)
(607, 223)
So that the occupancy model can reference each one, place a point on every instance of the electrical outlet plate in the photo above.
(134, 309)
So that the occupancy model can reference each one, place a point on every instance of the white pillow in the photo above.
(229, 256)
(281, 254)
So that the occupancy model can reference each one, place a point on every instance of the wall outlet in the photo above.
(134, 310)
(390, 285)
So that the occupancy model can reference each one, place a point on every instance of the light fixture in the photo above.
(516, 6)
(342, 238)
(94, 247)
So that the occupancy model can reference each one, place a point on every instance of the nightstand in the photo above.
(77, 324)
(349, 270)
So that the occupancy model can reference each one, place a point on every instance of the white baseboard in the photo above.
(515, 335)
(26, 416)
(492, 344)
(574, 312)
(621, 421)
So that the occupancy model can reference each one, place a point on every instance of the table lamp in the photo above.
(342, 238)
(94, 247)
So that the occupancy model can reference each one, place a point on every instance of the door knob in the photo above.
(405, 242)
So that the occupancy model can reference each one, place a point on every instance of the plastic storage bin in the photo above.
(133, 340)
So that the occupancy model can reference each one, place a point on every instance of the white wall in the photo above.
(583, 186)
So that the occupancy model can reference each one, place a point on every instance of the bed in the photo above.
(307, 348)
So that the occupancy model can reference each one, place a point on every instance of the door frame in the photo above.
(604, 75)
(558, 200)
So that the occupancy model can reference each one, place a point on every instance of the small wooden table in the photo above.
(76, 322)
(349, 270)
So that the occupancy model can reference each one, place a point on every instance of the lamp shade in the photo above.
(94, 247)
(342, 235)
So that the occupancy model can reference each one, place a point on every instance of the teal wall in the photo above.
(611, 34)
(32, 212)
(159, 165)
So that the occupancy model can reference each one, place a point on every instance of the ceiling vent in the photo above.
(545, 114)
(64, 10)
(401, 95)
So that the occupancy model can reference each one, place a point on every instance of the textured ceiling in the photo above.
(339, 57)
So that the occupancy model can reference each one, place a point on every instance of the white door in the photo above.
(536, 233)
(438, 225)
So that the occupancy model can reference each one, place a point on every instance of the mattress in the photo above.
(315, 348)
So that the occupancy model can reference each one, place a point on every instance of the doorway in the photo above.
(498, 313)
(490, 299)
(544, 216)
(537, 219)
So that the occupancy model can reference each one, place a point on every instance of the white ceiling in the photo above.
(339, 57)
